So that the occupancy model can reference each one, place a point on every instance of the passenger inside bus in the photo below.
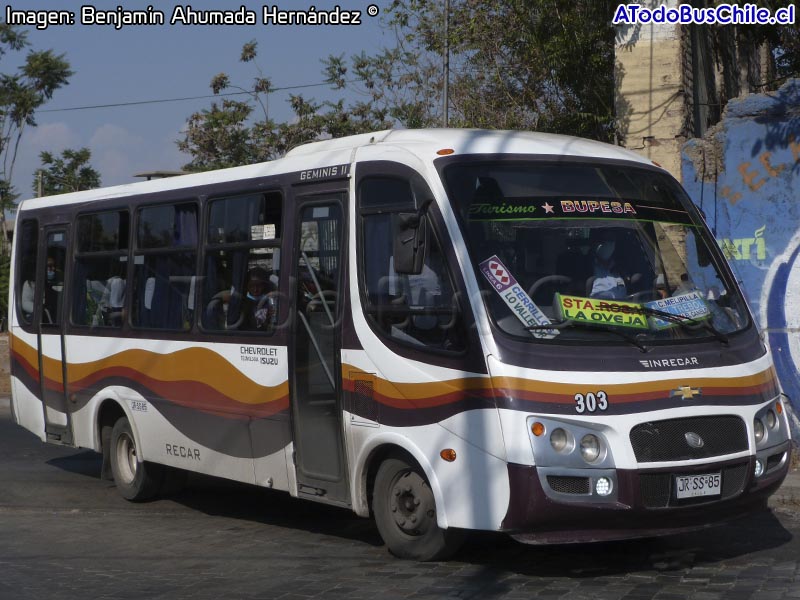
(258, 304)
(54, 286)
(255, 310)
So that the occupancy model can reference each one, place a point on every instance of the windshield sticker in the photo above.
(515, 297)
(501, 210)
(690, 306)
(597, 206)
(601, 312)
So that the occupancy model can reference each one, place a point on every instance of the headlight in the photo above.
(772, 420)
(758, 429)
(559, 440)
(590, 448)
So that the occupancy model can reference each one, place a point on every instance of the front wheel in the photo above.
(405, 513)
(134, 479)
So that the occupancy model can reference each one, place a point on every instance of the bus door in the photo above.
(51, 287)
(321, 467)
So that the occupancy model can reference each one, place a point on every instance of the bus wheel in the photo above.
(134, 479)
(405, 513)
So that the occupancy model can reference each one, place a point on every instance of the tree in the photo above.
(71, 172)
(21, 94)
(230, 134)
(545, 65)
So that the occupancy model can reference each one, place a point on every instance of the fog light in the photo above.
(590, 448)
(772, 420)
(758, 430)
(559, 440)
(603, 486)
(759, 468)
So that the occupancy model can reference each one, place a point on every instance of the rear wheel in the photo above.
(405, 513)
(134, 479)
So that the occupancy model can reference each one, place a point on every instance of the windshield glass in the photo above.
(578, 252)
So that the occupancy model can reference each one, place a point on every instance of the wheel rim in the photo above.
(126, 458)
(411, 504)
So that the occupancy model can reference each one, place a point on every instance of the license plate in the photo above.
(693, 486)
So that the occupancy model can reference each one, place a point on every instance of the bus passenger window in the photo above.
(100, 272)
(242, 263)
(54, 278)
(164, 267)
(28, 234)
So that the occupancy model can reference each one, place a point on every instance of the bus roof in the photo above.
(422, 142)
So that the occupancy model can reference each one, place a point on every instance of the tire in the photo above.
(405, 513)
(136, 480)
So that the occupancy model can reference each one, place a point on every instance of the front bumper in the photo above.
(644, 505)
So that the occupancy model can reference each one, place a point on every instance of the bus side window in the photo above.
(164, 266)
(26, 269)
(100, 272)
(242, 263)
(416, 309)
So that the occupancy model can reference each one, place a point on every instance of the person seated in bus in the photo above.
(26, 299)
(54, 285)
(258, 304)
(255, 310)
(112, 302)
(608, 283)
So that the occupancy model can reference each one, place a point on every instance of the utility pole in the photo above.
(39, 183)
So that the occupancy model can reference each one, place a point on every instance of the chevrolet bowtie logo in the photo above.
(685, 392)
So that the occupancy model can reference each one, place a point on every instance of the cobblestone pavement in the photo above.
(64, 533)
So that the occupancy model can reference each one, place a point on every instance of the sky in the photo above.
(158, 62)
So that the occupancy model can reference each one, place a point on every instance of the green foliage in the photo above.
(22, 93)
(71, 172)
(230, 134)
(545, 65)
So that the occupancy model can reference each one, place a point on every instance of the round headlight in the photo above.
(590, 448)
(772, 420)
(758, 429)
(559, 440)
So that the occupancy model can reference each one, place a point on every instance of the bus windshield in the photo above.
(567, 252)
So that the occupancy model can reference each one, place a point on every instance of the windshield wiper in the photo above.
(569, 323)
(686, 322)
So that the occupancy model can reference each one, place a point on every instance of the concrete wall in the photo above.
(650, 105)
(745, 175)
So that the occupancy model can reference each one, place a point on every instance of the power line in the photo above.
(184, 99)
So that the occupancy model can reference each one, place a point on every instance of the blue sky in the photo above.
(170, 61)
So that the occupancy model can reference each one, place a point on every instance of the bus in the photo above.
(444, 330)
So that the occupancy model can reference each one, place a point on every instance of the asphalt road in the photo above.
(64, 533)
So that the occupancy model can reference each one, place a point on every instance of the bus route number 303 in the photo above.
(591, 402)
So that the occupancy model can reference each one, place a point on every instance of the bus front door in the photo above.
(52, 367)
(316, 383)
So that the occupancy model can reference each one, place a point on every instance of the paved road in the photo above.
(64, 533)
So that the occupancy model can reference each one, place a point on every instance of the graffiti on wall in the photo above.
(745, 176)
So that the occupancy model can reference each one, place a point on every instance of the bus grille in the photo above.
(565, 484)
(656, 488)
(666, 440)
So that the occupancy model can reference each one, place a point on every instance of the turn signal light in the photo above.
(448, 454)
(537, 429)
(779, 407)
(445, 151)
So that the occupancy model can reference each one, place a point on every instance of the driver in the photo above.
(608, 283)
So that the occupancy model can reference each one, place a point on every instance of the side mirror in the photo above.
(410, 240)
